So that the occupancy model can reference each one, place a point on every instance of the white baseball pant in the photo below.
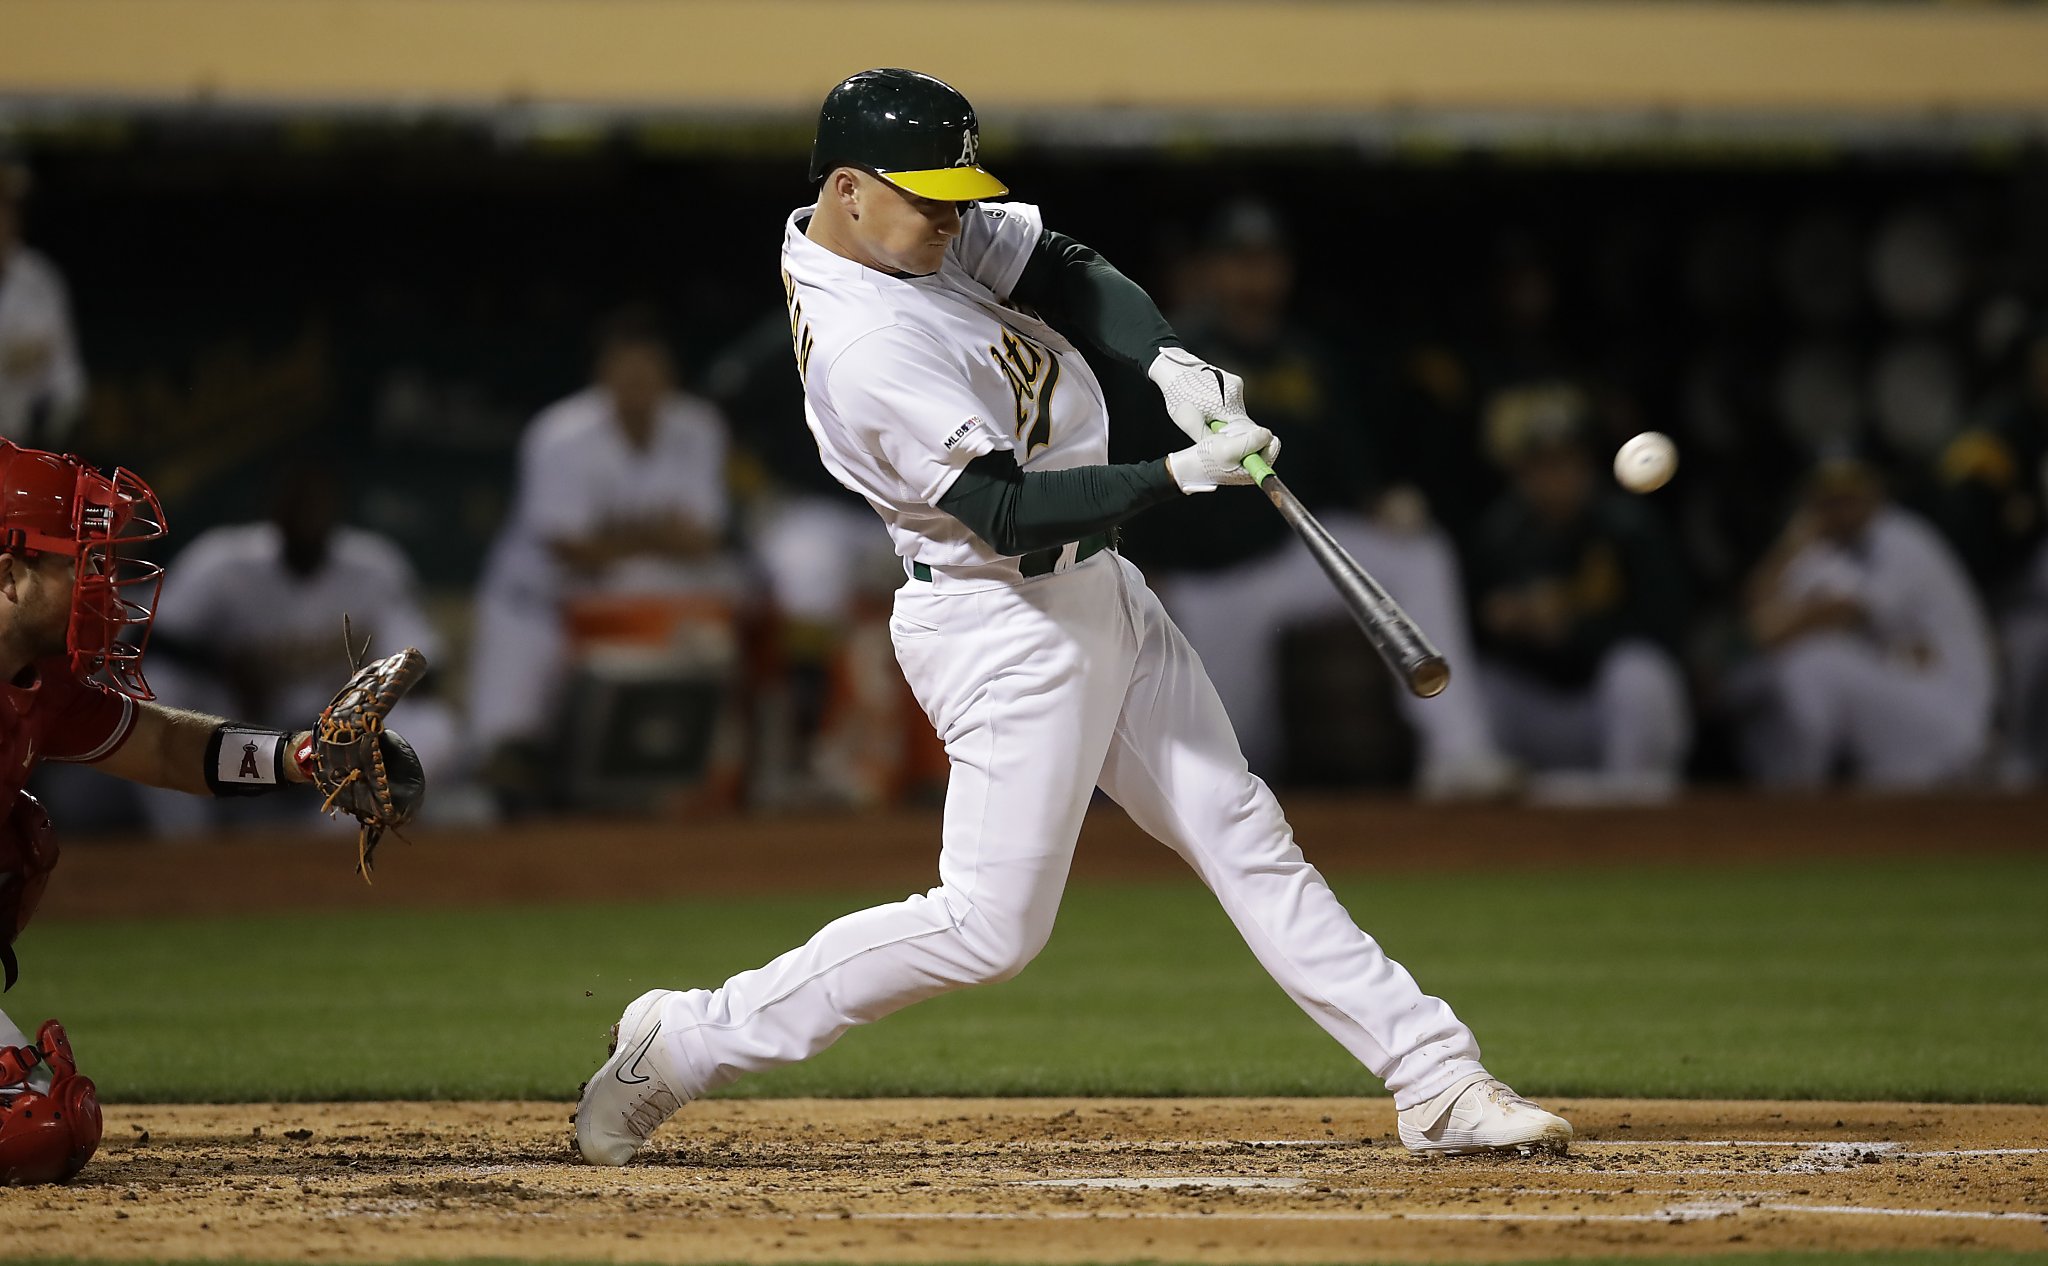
(1041, 691)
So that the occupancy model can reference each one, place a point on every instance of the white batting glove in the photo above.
(1196, 391)
(1218, 458)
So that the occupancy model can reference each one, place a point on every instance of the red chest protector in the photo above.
(28, 853)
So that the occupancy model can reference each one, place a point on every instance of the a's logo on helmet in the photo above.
(970, 147)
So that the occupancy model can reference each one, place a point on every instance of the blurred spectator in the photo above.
(1251, 578)
(1582, 602)
(1503, 327)
(1878, 658)
(1993, 504)
(251, 626)
(621, 495)
(42, 383)
(1992, 500)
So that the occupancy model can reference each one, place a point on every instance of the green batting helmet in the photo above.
(914, 131)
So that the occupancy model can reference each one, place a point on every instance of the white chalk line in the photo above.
(1338, 1187)
(1981, 1215)
(1702, 1211)
(1293, 1142)
(1232, 1215)
(1805, 1143)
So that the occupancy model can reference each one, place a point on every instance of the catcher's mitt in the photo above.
(365, 770)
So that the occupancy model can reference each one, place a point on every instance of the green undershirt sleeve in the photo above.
(1017, 511)
(1080, 292)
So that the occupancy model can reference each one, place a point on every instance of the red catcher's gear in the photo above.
(45, 1136)
(28, 853)
(56, 504)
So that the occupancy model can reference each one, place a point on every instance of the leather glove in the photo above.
(364, 769)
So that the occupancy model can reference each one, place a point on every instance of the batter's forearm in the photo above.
(1082, 293)
(1017, 511)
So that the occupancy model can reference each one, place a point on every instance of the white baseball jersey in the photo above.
(38, 353)
(230, 591)
(578, 472)
(907, 379)
(1916, 597)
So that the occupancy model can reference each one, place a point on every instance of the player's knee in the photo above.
(46, 1135)
(1002, 945)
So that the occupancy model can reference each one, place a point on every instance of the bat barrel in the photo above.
(1398, 640)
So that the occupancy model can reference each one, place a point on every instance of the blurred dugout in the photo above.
(605, 648)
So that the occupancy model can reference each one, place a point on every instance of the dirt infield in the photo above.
(1245, 1180)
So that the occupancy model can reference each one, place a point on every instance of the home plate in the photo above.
(1168, 1183)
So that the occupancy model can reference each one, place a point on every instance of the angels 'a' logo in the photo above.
(970, 149)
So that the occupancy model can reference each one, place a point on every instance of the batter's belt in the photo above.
(1038, 562)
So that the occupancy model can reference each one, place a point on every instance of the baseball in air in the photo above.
(1647, 462)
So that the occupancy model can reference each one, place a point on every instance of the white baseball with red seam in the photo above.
(1647, 462)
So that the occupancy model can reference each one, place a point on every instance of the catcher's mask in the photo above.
(53, 503)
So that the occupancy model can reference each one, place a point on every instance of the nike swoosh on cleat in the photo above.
(638, 1056)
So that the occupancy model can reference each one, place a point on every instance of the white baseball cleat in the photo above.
(630, 1095)
(1480, 1114)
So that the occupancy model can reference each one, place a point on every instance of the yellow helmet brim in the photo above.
(948, 184)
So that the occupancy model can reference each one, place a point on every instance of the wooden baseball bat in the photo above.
(1404, 647)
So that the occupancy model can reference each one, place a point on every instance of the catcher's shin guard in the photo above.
(45, 1135)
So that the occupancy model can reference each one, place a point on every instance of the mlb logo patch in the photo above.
(961, 432)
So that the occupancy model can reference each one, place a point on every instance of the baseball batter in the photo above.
(939, 384)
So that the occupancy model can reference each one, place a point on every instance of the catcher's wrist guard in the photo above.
(241, 761)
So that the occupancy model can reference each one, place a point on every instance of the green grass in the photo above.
(1924, 980)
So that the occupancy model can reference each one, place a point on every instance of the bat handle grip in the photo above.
(1253, 463)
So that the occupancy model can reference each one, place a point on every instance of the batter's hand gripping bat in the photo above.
(1420, 666)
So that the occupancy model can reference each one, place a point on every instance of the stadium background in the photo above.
(380, 233)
